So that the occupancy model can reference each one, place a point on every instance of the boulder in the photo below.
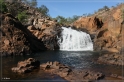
(47, 31)
(31, 27)
(26, 66)
(71, 74)
(112, 50)
(6, 42)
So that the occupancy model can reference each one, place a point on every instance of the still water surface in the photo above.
(77, 60)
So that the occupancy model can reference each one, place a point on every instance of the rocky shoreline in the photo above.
(26, 66)
(115, 59)
(69, 74)
(64, 71)
(40, 33)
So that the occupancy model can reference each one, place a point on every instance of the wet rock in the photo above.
(121, 77)
(114, 75)
(115, 59)
(26, 66)
(63, 74)
(71, 74)
(117, 76)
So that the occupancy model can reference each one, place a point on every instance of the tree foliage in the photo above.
(3, 7)
(61, 19)
(43, 9)
(22, 16)
(66, 21)
(32, 3)
(106, 8)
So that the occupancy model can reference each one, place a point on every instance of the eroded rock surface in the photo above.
(92, 24)
(15, 38)
(71, 74)
(115, 59)
(26, 65)
(46, 30)
(107, 28)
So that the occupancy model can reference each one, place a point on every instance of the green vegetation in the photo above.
(17, 10)
(106, 8)
(32, 3)
(66, 21)
(43, 9)
(22, 16)
(3, 6)
(61, 19)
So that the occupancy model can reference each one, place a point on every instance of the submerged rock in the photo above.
(70, 74)
(26, 66)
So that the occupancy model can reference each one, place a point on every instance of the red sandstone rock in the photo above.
(26, 66)
(70, 74)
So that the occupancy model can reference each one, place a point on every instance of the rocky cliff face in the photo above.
(46, 30)
(15, 38)
(42, 27)
(107, 27)
(15, 7)
(41, 32)
(92, 24)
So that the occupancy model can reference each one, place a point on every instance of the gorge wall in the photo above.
(46, 30)
(106, 27)
(15, 38)
(41, 32)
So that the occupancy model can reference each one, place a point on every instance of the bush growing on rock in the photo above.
(32, 3)
(3, 6)
(22, 16)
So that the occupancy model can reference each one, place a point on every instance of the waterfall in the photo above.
(73, 40)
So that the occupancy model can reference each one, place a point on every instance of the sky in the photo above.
(69, 8)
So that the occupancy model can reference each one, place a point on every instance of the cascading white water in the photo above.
(73, 40)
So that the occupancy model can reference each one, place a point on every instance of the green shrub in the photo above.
(3, 7)
(22, 16)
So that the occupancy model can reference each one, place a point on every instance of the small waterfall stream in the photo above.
(73, 40)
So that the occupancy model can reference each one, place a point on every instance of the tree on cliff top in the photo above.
(32, 3)
(43, 9)
(66, 21)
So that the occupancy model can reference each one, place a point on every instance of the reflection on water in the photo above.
(77, 60)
